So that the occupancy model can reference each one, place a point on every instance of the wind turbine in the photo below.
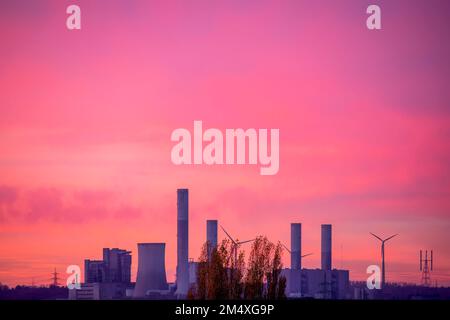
(305, 255)
(236, 244)
(383, 275)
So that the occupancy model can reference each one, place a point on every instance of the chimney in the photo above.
(326, 247)
(211, 235)
(296, 246)
(182, 242)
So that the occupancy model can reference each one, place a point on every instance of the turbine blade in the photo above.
(286, 248)
(376, 236)
(390, 237)
(228, 235)
(242, 242)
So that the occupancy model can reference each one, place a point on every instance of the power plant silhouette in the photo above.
(110, 278)
(151, 281)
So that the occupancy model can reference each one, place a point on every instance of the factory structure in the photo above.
(110, 278)
(323, 283)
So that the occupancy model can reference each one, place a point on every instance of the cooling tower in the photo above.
(151, 274)
(211, 235)
(296, 246)
(182, 242)
(326, 247)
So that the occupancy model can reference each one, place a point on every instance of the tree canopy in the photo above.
(223, 274)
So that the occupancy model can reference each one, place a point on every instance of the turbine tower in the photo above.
(236, 244)
(383, 274)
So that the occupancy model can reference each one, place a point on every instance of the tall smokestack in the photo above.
(182, 242)
(296, 246)
(326, 247)
(211, 235)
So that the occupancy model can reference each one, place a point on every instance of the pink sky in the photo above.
(86, 118)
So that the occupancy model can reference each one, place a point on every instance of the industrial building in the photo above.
(109, 278)
(100, 291)
(115, 267)
(324, 283)
(193, 268)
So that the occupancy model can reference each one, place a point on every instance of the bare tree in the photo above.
(219, 276)
(263, 279)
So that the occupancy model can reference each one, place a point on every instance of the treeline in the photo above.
(223, 274)
(32, 293)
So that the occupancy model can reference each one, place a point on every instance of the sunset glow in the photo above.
(86, 119)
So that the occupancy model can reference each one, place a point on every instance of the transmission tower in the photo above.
(426, 266)
(55, 278)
